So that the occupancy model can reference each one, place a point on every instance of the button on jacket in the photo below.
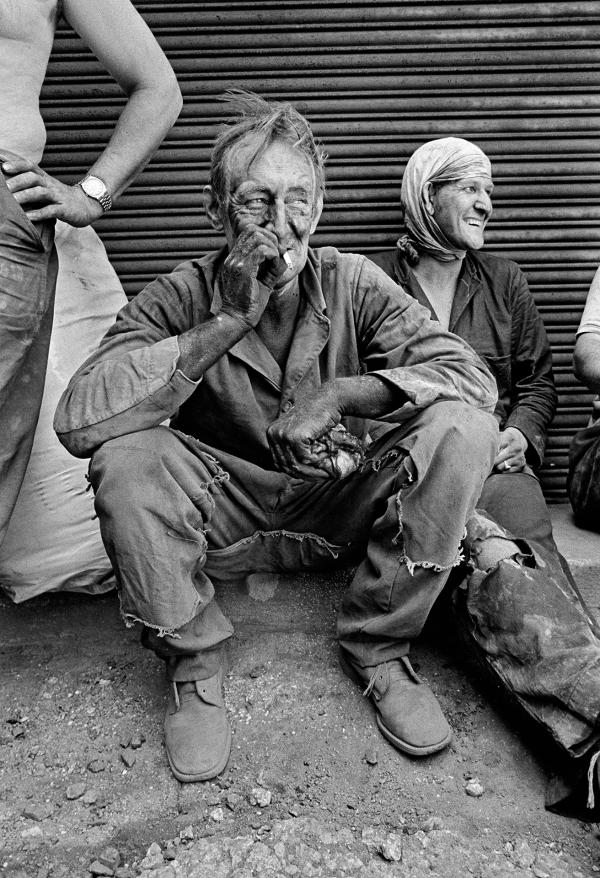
(494, 311)
(353, 320)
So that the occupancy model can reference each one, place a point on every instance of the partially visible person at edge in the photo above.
(519, 607)
(270, 358)
(583, 482)
(31, 200)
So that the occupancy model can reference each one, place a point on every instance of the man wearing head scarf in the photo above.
(518, 607)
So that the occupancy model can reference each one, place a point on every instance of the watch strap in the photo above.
(103, 199)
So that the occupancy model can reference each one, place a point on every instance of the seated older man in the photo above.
(584, 456)
(270, 358)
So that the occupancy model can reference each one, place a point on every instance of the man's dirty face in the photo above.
(273, 187)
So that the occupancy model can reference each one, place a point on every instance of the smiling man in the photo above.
(519, 605)
(270, 359)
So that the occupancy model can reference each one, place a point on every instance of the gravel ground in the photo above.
(312, 789)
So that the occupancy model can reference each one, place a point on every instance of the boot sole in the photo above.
(209, 773)
(410, 748)
(398, 743)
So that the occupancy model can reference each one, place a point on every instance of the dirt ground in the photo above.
(312, 789)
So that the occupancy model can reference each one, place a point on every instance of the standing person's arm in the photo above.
(587, 346)
(587, 360)
(125, 46)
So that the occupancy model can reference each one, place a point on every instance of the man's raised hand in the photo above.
(249, 274)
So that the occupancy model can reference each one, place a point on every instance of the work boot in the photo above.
(408, 713)
(576, 792)
(197, 731)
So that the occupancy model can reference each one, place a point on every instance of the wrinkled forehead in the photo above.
(244, 156)
(475, 178)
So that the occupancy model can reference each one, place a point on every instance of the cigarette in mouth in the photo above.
(287, 259)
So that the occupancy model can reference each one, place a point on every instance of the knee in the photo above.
(465, 431)
(125, 465)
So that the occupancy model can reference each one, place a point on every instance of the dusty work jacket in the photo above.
(493, 310)
(353, 319)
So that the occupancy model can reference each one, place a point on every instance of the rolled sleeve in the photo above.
(114, 396)
(132, 381)
(423, 385)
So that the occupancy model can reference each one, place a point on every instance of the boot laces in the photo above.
(379, 673)
(591, 799)
(371, 684)
(176, 695)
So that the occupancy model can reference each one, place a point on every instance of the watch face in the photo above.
(93, 187)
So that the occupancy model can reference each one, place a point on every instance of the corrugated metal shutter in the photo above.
(376, 79)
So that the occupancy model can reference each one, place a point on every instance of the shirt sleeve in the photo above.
(406, 348)
(534, 395)
(131, 382)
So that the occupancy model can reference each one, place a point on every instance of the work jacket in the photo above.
(494, 311)
(353, 320)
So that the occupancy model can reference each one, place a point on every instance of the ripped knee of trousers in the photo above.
(487, 554)
(489, 544)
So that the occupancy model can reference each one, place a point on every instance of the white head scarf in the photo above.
(438, 160)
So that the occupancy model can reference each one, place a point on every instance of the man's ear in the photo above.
(427, 199)
(212, 206)
(316, 214)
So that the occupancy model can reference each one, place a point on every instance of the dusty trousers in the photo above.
(174, 513)
(28, 268)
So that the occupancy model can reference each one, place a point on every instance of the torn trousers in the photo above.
(175, 513)
(28, 268)
(524, 618)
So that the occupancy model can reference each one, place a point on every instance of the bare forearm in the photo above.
(146, 118)
(587, 360)
(365, 396)
(201, 346)
(122, 42)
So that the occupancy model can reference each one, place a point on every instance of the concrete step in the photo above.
(581, 548)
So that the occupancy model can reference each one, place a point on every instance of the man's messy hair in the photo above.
(270, 121)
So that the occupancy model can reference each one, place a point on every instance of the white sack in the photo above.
(53, 541)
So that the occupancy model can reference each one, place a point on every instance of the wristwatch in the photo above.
(96, 188)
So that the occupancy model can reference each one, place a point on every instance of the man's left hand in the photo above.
(292, 434)
(44, 197)
(511, 451)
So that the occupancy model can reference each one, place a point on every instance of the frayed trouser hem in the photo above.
(411, 565)
(130, 619)
(333, 550)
